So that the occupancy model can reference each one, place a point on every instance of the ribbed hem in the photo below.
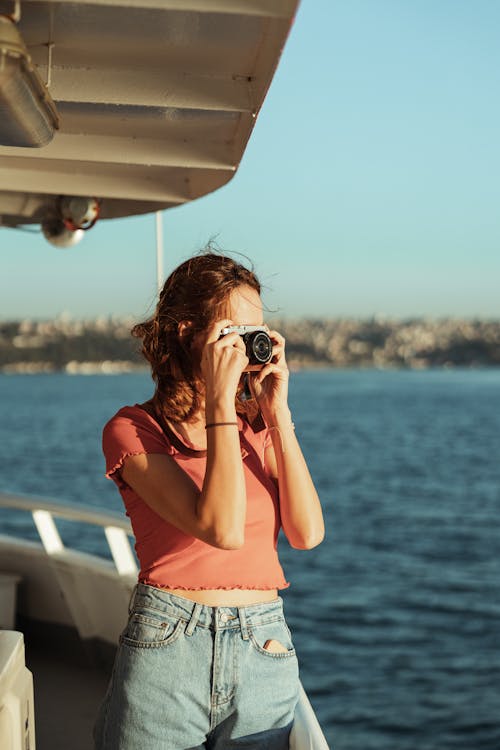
(228, 587)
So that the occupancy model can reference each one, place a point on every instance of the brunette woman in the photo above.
(206, 659)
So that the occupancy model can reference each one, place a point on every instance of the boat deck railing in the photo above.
(306, 732)
(43, 511)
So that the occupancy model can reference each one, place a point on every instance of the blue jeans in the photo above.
(187, 676)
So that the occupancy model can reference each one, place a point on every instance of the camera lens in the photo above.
(259, 348)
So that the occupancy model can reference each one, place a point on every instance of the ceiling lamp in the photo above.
(28, 115)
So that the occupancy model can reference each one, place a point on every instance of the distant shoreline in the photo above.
(83, 368)
(106, 346)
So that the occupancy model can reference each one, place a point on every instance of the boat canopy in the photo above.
(156, 100)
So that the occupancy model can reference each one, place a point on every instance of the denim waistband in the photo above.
(218, 618)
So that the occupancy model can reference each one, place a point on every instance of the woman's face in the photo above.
(243, 307)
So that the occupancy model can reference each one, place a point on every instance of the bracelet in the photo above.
(220, 424)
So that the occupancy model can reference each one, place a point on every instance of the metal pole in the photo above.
(159, 251)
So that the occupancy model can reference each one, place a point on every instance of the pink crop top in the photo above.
(170, 558)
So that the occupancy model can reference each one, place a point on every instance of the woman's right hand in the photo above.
(223, 360)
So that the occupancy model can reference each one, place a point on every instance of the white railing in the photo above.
(43, 511)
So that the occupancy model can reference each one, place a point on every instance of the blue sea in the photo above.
(396, 616)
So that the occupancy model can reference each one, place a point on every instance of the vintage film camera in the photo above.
(259, 347)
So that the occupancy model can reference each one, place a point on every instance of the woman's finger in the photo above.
(278, 346)
(278, 353)
(231, 340)
(215, 330)
(270, 369)
(277, 337)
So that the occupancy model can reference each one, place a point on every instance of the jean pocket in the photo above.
(149, 631)
(272, 640)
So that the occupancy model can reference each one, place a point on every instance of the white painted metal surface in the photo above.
(157, 99)
(120, 549)
(62, 585)
(306, 732)
(48, 531)
(159, 251)
(17, 719)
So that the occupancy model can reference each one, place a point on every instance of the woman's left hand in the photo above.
(270, 384)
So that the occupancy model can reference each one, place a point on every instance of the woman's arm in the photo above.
(300, 508)
(216, 514)
(301, 514)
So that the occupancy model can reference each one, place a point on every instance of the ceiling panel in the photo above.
(157, 99)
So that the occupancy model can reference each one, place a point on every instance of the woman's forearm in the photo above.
(221, 506)
(301, 514)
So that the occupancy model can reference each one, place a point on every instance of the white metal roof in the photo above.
(157, 99)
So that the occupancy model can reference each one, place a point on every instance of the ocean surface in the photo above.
(396, 616)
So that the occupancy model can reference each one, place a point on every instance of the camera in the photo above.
(259, 347)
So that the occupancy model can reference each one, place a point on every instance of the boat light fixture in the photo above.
(28, 115)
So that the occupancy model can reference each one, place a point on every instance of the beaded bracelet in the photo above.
(219, 424)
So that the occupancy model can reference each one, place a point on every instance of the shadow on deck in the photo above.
(70, 680)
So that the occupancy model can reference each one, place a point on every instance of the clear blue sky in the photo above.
(370, 184)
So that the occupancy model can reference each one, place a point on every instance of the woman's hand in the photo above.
(223, 360)
(300, 508)
(270, 384)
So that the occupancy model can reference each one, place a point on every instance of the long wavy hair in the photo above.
(197, 292)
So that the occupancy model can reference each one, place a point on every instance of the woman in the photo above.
(206, 659)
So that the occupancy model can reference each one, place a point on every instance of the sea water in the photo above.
(396, 616)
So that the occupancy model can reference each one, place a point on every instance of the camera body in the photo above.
(258, 344)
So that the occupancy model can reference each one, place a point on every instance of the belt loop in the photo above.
(132, 597)
(195, 616)
(243, 623)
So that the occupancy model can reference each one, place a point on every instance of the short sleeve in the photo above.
(129, 433)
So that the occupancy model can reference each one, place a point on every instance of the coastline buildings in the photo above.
(104, 345)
